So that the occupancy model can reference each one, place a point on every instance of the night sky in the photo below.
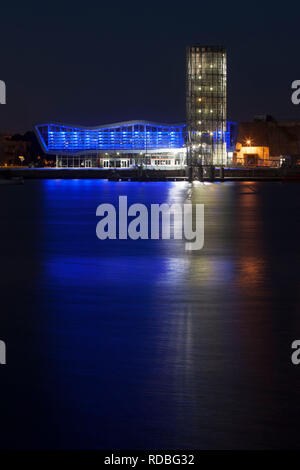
(92, 64)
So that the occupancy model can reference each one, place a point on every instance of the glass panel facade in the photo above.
(206, 101)
(140, 137)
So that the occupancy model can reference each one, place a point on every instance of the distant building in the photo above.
(268, 142)
(13, 151)
(249, 155)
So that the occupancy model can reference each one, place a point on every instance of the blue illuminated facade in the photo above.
(121, 144)
(132, 136)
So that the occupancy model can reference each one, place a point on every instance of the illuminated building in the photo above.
(250, 155)
(121, 145)
(206, 102)
(207, 138)
(268, 142)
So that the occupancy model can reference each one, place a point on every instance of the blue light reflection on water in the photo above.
(139, 344)
(124, 319)
(106, 311)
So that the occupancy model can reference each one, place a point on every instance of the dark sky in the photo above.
(98, 63)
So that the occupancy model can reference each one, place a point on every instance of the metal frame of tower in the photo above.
(206, 105)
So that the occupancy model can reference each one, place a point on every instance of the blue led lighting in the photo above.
(125, 136)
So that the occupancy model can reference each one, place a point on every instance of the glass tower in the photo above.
(206, 100)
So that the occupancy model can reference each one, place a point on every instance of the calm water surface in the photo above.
(140, 344)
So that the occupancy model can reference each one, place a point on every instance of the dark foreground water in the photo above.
(140, 344)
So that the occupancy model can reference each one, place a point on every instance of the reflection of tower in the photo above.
(206, 104)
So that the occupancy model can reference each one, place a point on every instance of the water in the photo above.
(140, 344)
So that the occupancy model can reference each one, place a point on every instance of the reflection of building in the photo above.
(123, 144)
(267, 142)
(206, 104)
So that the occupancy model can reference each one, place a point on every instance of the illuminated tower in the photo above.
(206, 79)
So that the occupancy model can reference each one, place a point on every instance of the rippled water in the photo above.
(140, 344)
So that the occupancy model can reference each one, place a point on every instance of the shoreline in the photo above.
(230, 174)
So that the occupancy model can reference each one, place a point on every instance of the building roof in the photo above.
(115, 124)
